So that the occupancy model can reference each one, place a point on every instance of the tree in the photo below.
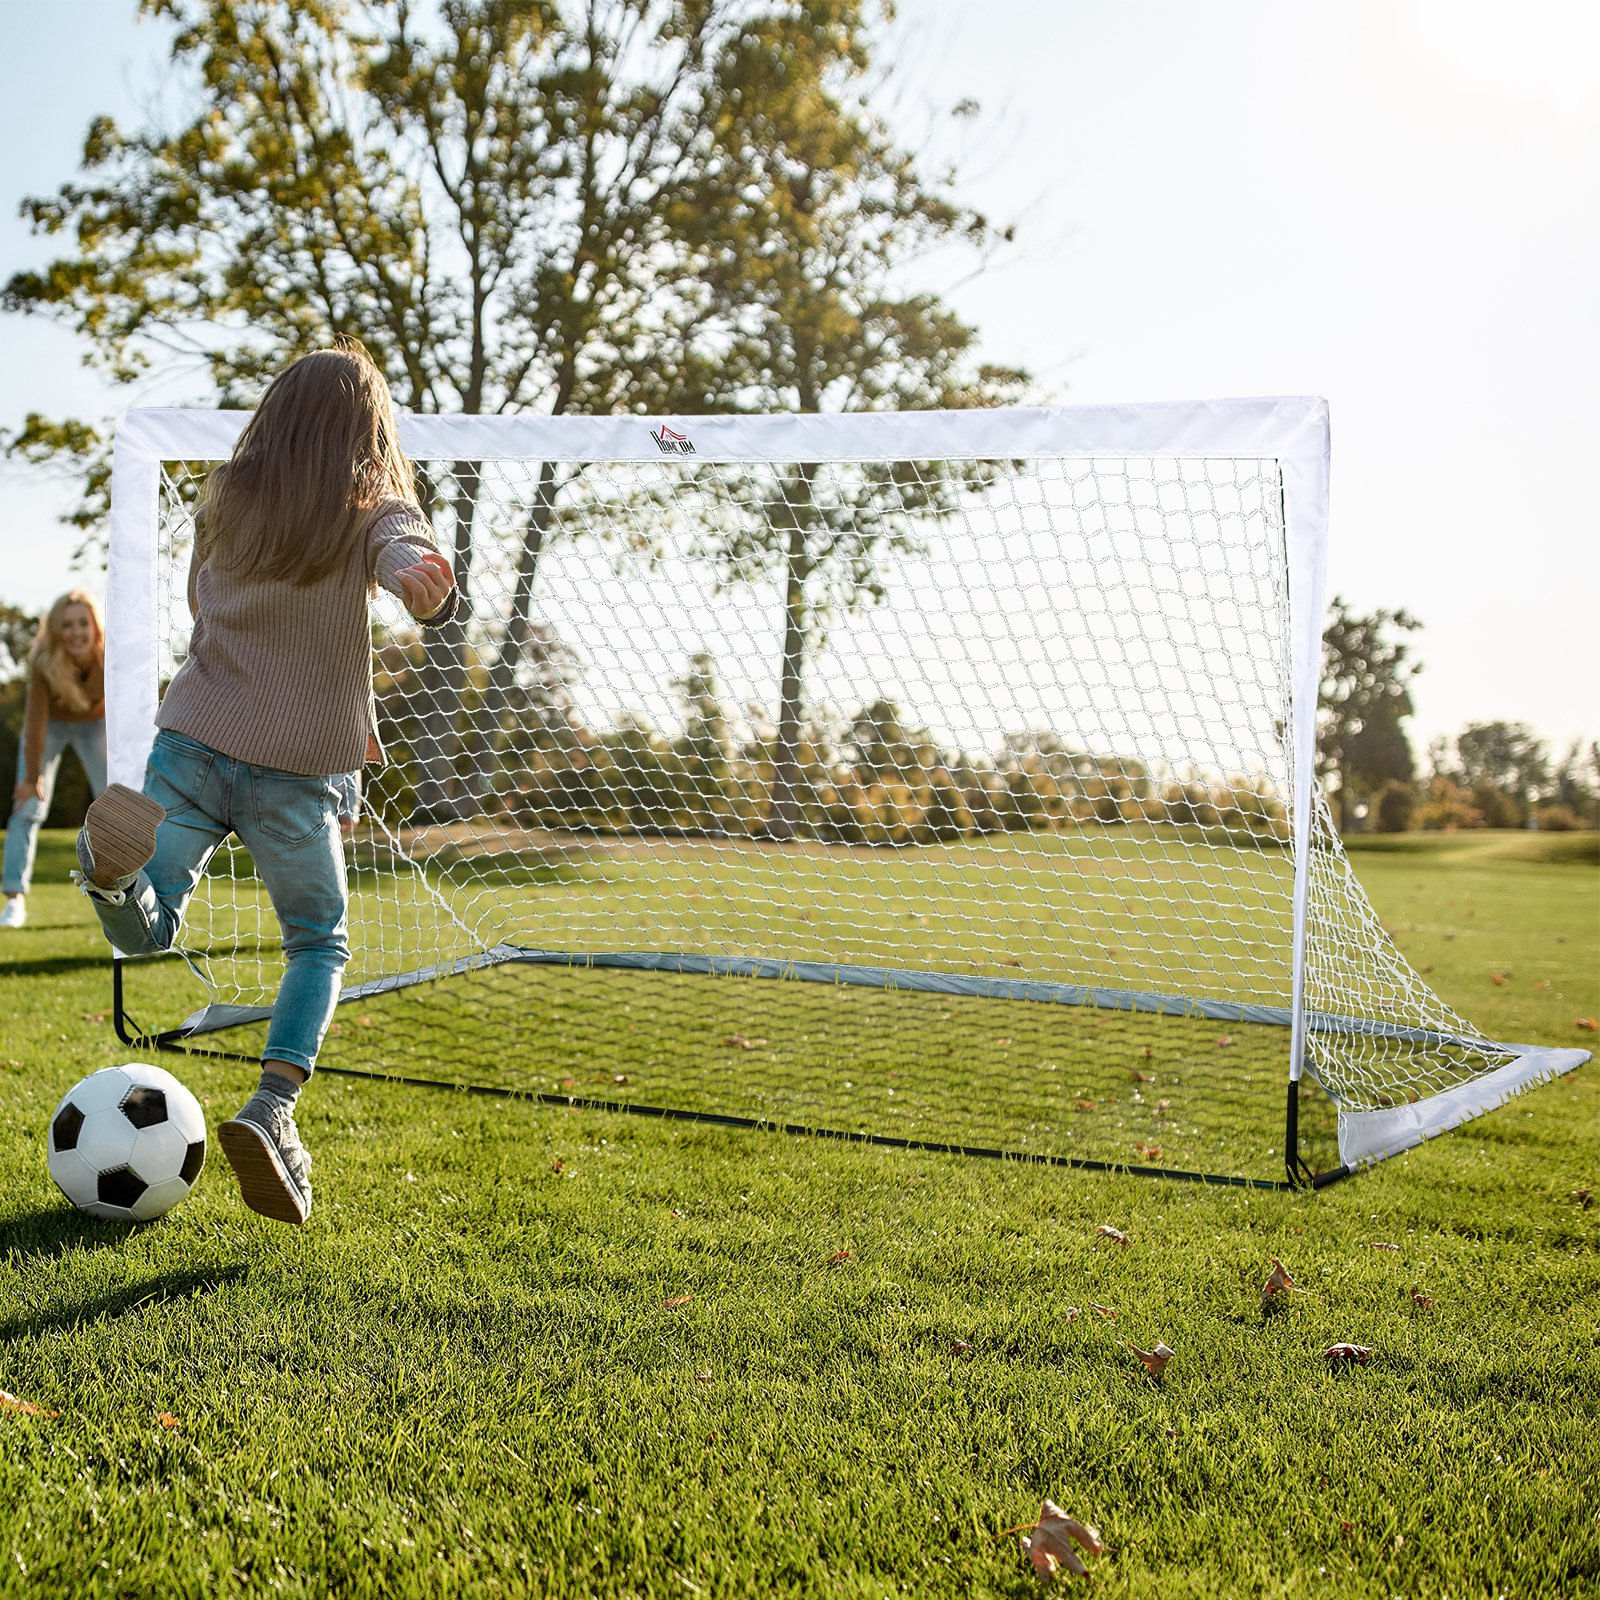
(825, 210)
(1364, 701)
(1505, 759)
(513, 204)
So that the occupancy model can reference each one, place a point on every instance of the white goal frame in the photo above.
(1292, 431)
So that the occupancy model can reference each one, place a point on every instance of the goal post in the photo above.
(988, 735)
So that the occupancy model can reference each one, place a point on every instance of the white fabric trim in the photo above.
(131, 681)
(1289, 429)
(1366, 1136)
(1305, 507)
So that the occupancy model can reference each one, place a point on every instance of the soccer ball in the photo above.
(127, 1143)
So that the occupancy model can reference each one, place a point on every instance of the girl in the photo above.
(267, 722)
(66, 707)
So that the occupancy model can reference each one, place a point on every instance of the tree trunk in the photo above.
(478, 749)
(784, 813)
(444, 671)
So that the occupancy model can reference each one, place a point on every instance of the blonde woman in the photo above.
(66, 710)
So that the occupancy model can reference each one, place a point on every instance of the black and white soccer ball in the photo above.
(127, 1143)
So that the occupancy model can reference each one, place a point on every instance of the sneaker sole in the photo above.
(266, 1186)
(121, 825)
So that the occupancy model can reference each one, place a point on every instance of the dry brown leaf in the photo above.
(1343, 1354)
(167, 1420)
(1588, 1024)
(1003, 1044)
(1155, 1361)
(672, 1302)
(96, 1016)
(738, 1041)
(961, 1347)
(1151, 1152)
(1423, 1302)
(1148, 1053)
(703, 1375)
(1225, 1041)
(1543, 983)
(1277, 1280)
(363, 1022)
(1012, 961)
(1162, 1107)
(569, 1083)
(1049, 1543)
(1497, 979)
(838, 1256)
(1584, 1197)
(1142, 1077)
(1115, 1235)
(1381, 1244)
(1102, 1311)
(1072, 1313)
(23, 1408)
(1084, 1105)
(558, 1165)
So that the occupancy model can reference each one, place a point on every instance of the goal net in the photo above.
(940, 778)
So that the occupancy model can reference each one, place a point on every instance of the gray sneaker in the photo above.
(263, 1147)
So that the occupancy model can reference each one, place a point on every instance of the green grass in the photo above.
(468, 1375)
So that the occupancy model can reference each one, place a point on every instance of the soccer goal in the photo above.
(942, 780)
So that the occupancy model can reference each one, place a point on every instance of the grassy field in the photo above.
(525, 1351)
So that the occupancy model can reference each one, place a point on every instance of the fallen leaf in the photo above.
(1423, 1302)
(1347, 1527)
(1012, 961)
(1497, 979)
(1381, 1244)
(569, 1083)
(1149, 1054)
(1341, 1354)
(1583, 1197)
(1225, 1041)
(1084, 1105)
(962, 1347)
(558, 1165)
(1142, 1077)
(737, 1041)
(1277, 1280)
(1048, 1544)
(1155, 1361)
(364, 1022)
(1162, 1107)
(1543, 983)
(1115, 1235)
(1102, 1311)
(672, 1302)
(703, 1375)
(166, 1419)
(23, 1408)
(1588, 1024)
(1151, 1152)
(1003, 1043)
(839, 1255)
(96, 1016)
(1072, 1313)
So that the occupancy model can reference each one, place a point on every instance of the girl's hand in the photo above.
(426, 585)
(24, 792)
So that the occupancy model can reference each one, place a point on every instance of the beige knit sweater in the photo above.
(280, 675)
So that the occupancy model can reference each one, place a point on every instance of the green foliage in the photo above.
(1364, 701)
(1395, 808)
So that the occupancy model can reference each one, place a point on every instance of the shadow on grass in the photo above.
(163, 1289)
(56, 1229)
(55, 966)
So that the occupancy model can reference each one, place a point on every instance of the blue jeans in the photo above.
(290, 826)
(22, 832)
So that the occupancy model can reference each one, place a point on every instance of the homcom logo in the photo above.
(670, 443)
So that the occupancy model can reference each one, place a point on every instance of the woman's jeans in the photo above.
(22, 832)
(290, 826)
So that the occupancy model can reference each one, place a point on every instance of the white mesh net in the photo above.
(997, 750)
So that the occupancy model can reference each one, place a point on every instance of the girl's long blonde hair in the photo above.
(49, 657)
(319, 455)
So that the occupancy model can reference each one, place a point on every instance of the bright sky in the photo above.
(1392, 203)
